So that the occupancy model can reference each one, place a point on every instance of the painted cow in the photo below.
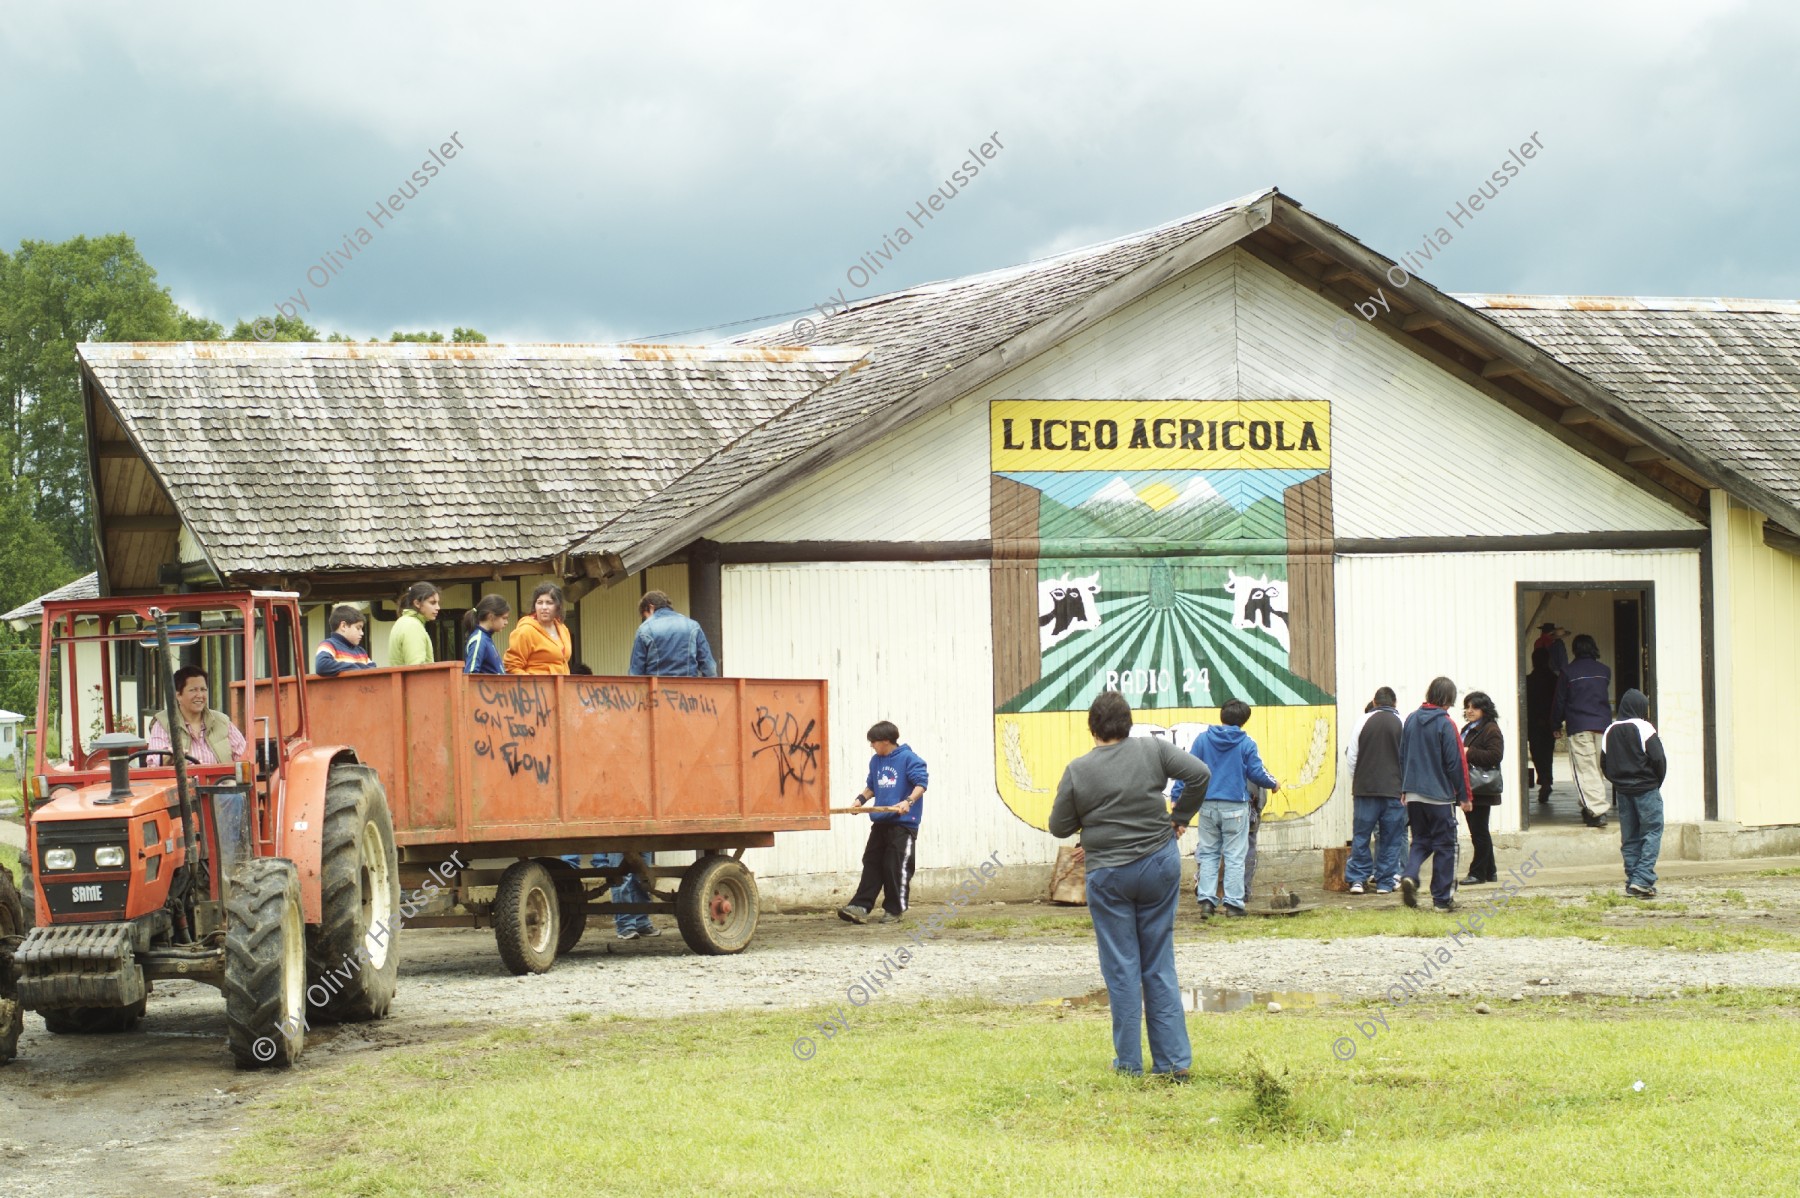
(1066, 606)
(1261, 604)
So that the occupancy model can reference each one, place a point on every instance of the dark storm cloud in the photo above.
(646, 171)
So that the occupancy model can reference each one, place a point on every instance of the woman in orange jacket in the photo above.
(541, 643)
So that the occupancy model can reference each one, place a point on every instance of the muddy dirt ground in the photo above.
(154, 1109)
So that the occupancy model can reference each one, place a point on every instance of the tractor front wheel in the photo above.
(527, 917)
(265, 965)
(93, 1021)
(717, 905)
(12, 923)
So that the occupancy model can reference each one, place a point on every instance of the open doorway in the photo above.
(1620, 618)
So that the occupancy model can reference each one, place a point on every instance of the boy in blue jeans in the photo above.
(1224, 821)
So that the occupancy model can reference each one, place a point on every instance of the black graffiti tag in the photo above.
(796, 757)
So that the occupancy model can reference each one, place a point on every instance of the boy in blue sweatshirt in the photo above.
(1224, 821)
(897, 779)
(342, 649)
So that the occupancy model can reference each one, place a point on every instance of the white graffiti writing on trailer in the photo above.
(1260, 603)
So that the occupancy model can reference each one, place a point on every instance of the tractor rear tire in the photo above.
(717, 905)
(265, 965)
(353, 955)
(527, 923)
(12, 923)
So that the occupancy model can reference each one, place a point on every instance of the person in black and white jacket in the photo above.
(1631, 756)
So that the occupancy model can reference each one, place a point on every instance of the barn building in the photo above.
(1181, 464)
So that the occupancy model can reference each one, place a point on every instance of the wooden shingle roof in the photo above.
(926, 344)
(1721, 375)
(291, 458)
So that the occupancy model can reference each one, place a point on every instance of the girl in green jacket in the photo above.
(410, 644)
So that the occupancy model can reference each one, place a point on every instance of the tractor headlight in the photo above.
(59, 858)
(109, 856)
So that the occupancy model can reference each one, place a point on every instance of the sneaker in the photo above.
(853, 914)
(1357, 888)
(1233, 912)
(1472, 880)
(1643, 892)
(629, 934)
(1409, 891)
(649, 930)
(1384, 890)
(886, 917)
(1444, 908)
(1207, 908)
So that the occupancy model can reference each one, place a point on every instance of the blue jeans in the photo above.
(1223, 828)
(1133, 909)
(633, 889)
(1434, 836)
(1640, 835)
(1385, 819)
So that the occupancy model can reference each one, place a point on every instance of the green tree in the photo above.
(53, 296)
(467, 336)
(279, 327)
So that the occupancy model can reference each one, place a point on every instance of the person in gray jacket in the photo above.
(1113, 796)
(1374, 761)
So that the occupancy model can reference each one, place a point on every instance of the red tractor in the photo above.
(242, 855)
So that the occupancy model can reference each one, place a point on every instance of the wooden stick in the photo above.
(862, 810)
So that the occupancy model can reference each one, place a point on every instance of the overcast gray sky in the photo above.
(637, 170)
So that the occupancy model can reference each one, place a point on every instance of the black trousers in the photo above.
(887, 866)
(1543, 756)
(1482, 864)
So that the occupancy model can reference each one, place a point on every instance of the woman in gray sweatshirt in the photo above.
(1113, 796)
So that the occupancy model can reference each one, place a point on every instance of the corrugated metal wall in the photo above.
(1403, 619)
(898, 641)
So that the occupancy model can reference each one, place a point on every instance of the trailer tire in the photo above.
(265, 965)
(717, 905)
(359, 900)
(526, 918)
(12, 923)
(571, 903)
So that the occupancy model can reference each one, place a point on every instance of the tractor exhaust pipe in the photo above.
(189, 834)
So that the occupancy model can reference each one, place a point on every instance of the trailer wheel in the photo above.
(526, 923)
(12, 923)
(717, 905)
(571, 904)
(352, 954)
(93, 1021)
(265, 965)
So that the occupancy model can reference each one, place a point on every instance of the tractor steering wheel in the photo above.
(98, 757)
(189, 757)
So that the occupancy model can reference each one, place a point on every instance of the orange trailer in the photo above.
(484, 768)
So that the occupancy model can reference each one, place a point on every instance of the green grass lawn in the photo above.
(9, 861)
(973, 1099)
(1711, 922)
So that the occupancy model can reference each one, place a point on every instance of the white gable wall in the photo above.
(1415, 453)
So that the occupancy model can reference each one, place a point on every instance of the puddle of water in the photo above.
(1218, 1000)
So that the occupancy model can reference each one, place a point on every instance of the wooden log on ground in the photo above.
(1068, 879)
(1336, 858)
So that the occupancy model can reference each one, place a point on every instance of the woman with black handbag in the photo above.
(1484, 747)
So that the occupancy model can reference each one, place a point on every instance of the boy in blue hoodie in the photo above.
(1224, 821)
(897, 779)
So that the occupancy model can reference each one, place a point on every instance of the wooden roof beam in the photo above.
(1639, 455)
(1577, 415)
(1418, 322)
(1499, 368)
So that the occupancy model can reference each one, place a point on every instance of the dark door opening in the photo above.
(1619, 616)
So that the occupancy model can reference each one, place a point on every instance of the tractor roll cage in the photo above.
(271, 615)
